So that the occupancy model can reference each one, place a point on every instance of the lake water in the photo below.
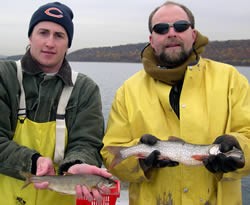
(110, 76)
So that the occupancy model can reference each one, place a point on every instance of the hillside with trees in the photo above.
(122, 53)
(235, 52)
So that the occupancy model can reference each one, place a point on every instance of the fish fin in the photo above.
(140, 156)
(62, 193)
(199, 157)
(67, 174)
(27, 177)
(175, 139)
(115, 150)
(114, 162)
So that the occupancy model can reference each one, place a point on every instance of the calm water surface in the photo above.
(110, 76)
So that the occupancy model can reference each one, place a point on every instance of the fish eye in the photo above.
(214, 150)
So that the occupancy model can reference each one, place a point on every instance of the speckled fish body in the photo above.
(66, 184)
(179, 151)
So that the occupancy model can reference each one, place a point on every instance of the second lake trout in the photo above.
(66, 184)
(174, 149)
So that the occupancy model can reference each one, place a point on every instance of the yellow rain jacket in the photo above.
(215, 100)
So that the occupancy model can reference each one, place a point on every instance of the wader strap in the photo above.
(60, 120)
(22, 104)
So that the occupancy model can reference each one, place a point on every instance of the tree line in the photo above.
(234, 52)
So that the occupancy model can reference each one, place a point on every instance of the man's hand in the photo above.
(152, 160)
(44, 167)
(82, 191)
(221, 163)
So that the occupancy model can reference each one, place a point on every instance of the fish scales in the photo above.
(66, 184)
(175, 150)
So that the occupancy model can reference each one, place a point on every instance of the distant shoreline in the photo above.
(233, 52)
(20, 56)
(141, 63)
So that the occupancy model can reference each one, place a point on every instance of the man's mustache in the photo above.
(173, 42)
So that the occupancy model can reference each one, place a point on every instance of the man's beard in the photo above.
(175, 60)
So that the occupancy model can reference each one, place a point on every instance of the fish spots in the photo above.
(207, 203)
(166, 199)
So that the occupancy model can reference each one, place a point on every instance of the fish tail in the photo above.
(199, 157)
(27, 177)
(115, 150)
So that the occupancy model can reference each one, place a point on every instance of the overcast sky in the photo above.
(115, 22)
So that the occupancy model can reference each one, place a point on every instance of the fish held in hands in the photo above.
(66, 184)
(174, 149)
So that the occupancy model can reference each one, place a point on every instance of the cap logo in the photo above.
(49, 12)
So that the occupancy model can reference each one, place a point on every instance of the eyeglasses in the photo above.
(179, 26)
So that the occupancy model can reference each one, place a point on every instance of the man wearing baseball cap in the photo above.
(51, 118)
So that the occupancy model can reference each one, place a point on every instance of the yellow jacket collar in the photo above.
(171, 76)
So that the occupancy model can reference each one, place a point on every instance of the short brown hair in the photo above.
(188, 12)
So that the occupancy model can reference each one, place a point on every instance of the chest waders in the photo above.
(49, 139)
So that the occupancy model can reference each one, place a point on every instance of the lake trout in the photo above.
(66, 183)
(174, 149)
